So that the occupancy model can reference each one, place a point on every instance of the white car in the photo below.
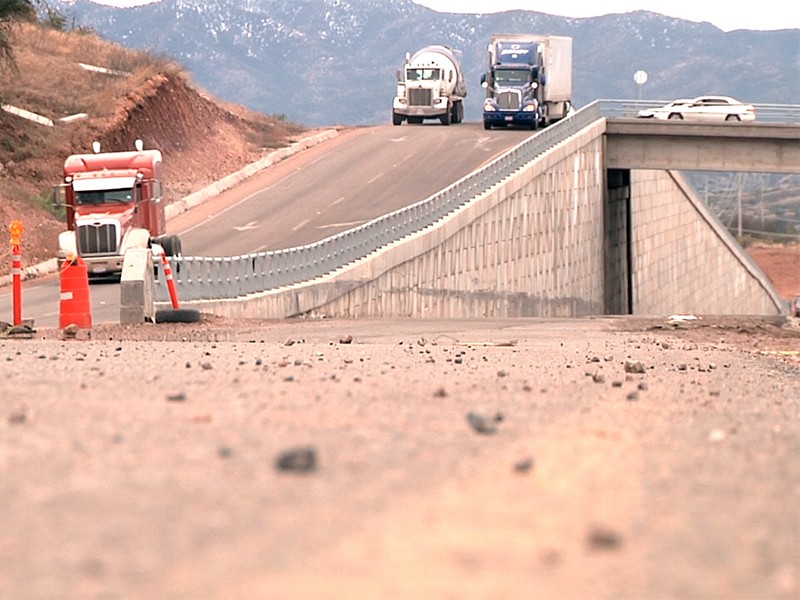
(702, 108)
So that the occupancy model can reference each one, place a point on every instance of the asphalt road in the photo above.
(360, 175)
(407, 459)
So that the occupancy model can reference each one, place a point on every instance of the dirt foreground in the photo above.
(584, 458)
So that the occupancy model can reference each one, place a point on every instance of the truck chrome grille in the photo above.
(420, 97)
(98, 238)
(508, 100)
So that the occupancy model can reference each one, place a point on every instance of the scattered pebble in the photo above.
(634, 366)
(603, 539)
(299, 460)
(17, 418)
(176, 397)
(346, 340)
(716, 435)
(523, 465)
(481, 424)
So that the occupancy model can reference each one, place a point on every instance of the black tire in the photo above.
(676, 116)
(486, 125)
(445, 118)
(172, 245)
(166, 243)
(456, 113)
(732, 118)
(397, 119)
(178, 315)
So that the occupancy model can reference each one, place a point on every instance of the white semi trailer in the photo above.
(430, 86)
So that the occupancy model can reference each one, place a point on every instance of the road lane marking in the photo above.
(250, 225)
(334, 225)
(374, 179)
(299, 225)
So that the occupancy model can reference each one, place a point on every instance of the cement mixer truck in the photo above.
(528, 80)
(113, 202)
(430, 85)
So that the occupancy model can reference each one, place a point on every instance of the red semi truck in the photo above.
(113, 202)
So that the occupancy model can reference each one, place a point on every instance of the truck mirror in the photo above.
(483, 79)
(58, 196)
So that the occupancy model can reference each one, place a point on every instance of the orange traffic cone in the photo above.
(76, 302)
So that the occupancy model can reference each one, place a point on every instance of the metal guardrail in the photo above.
(204, 278)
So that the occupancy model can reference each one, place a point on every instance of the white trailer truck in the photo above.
(528, 80)
(430, 86)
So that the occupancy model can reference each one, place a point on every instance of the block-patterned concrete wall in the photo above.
(684, 261)
(531, 248)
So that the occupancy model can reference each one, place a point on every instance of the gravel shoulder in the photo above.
(602, 458)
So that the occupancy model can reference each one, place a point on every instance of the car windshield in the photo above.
(422, 74)
(513, 76)
(104, 196)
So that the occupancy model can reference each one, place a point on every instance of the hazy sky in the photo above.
(727, 15)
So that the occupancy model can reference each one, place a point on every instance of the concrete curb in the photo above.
(197, 198)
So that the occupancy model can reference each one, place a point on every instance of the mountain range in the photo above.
(326, 62)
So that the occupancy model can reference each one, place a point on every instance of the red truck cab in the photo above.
(113, 202)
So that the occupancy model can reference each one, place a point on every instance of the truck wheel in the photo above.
(172, 245)
(397, 119)
(454, 113)
(445, 118)
(178, 315)
(486, 125)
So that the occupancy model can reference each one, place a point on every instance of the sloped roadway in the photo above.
(358, 176)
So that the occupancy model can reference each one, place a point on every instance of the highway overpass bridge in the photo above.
(588, 217)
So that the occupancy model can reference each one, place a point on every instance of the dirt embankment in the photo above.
(201, 139)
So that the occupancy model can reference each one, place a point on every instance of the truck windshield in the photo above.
(512, 76)
(104, 196)
(422, 74)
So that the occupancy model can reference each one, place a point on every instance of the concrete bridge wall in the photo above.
(684, 261)
(562, 237)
